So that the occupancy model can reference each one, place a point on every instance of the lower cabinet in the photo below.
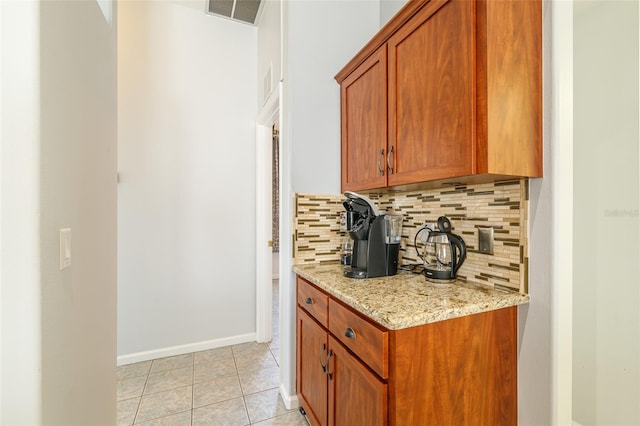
(335, 388)
(352, 371)
(311, 367)
(356, 395)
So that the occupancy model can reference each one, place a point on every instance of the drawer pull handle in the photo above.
(323, 366)
(380, 169)
(349, 333)
(389, 160)
(308, 301)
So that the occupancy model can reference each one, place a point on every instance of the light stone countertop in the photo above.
(407, 300)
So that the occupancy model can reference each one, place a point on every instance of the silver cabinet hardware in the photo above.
(390, 161)
(323, 366)
(330, 374)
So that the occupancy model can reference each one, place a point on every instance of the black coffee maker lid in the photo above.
(444, 224)
(363, 201)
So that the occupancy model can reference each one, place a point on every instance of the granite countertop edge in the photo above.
(407, 300)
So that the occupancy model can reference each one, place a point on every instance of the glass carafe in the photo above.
(437, 253)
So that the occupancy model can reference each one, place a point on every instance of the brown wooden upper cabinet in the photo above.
(447, 90)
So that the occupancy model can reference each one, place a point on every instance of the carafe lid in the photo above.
(444, 224)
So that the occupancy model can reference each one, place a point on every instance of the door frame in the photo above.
(267, 117)
(561, 136)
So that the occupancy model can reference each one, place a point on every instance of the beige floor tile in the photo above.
(169, 379)
(213, 355)
(221, 389)
(249, 348)
(293, 418)
(130, 388)
(165, 403)
(264, 405)
(179, 419)
(126, 410)
(207, 371)
(250, 361)
(134, 370)
(226, 413)
(260, 380)
(207, 388)
(169, 363)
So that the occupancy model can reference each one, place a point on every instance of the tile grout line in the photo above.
(135, 417)
(244, 402)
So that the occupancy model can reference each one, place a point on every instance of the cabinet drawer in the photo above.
(368, 341)
(313, 300)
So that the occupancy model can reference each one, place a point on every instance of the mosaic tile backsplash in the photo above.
(502, 206)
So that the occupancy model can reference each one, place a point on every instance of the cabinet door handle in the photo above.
(329, 374)
(389, 161)
(380, 168)
(323, 366)
(308, 301)
(349, 333)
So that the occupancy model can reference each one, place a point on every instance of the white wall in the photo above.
(606, 330)
(388, 8)
(535, 358)
(186, 198)
(58, 171)
(269, 46)
(78, 191)
(322, 37)
(20, 392)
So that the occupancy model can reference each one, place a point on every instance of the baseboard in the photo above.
(290, 401)
(185, 349)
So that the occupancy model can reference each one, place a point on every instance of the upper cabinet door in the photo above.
(431, 94)
(364, 125)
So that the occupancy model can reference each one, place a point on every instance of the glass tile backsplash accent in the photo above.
(502, 206)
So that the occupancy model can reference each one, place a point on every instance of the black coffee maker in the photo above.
(376, 238)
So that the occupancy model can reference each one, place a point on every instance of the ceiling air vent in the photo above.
(239, 10)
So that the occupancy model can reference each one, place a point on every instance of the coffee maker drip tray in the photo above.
(440, 280)
(350, 272)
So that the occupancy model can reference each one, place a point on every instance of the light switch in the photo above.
(65, 248)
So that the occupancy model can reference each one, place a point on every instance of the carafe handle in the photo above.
(426, 229)
(457, 261)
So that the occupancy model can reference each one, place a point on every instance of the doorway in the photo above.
(268, 167)
(275, 238)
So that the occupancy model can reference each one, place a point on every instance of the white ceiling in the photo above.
(193, 4)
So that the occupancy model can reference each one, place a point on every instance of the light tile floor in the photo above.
(235, 385)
